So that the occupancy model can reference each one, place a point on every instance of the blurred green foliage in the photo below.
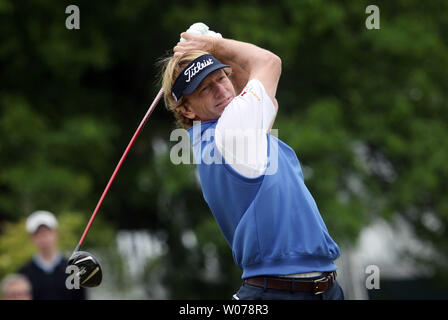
(365, 111)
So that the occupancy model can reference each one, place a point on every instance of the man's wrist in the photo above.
(217, 45)
(214, 46)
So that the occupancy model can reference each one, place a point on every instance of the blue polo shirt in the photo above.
(271, 222)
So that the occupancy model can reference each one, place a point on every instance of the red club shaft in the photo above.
(117, 168)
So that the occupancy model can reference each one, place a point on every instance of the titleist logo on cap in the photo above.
(192, 75)
(192, 70)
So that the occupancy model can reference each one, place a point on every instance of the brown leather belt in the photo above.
(316, 286)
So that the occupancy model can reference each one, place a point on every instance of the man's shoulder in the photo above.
(27, 267)
(62, 263)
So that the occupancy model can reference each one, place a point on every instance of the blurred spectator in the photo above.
(46, 270)
(16, 287)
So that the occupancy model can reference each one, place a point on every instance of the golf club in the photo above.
(90, 273)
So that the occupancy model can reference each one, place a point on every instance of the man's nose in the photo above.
(220, 90)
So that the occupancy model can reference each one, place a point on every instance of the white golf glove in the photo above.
(200, 28)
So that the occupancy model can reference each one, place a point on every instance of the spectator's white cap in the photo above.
(41, 218)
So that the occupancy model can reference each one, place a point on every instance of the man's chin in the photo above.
(221, 110)
(223, 107)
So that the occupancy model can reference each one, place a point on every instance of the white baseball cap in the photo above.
(41, 218)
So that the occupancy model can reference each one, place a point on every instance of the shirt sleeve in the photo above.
(252, 109)
(240, 133)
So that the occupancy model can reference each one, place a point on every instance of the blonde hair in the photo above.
(171, 68)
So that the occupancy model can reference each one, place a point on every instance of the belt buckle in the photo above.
(316, 285)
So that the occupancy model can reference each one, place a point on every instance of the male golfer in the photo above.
(218, 89)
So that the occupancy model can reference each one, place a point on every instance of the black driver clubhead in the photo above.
(89, 274)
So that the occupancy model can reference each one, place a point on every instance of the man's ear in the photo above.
(187, 112)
